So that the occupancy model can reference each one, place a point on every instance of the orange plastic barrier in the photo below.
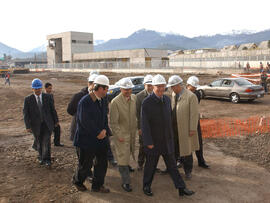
(226, 127)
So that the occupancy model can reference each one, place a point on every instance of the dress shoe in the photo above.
(79, 186)
(204, 165)
(102, 189)
(188, 176)
(179, 164)
(90, 179)
(158, 170)
(164, 172)
(185, 191)
(147, 191)
(59, 145)
(113, 162)
(131, 169)
(48, 163)
(127, 187)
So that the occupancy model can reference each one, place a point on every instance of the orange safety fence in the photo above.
(226, 127)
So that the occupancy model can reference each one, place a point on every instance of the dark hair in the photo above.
(96, 86)
(47, 84)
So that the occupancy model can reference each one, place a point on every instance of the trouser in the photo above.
(187, 162)
(265, 87)
(141, 155)
(150, 168)
(73, 127)
(7, 82)
(176, 146)
(43, 143)
(85, 158)
(125, 175)
(109, 153)
(199, 153)
(57, 131)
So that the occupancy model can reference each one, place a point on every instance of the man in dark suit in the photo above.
(157, 134)
(40, 119)
(57, 128)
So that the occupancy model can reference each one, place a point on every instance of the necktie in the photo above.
(40, 108)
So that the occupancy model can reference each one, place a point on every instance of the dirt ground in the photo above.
(239, 165)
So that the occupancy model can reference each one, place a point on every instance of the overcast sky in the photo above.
(25, 23)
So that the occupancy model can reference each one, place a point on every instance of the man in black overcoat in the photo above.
(157, 134)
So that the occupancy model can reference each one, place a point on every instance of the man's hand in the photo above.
(29, 130)
(102, 134)
(140, 132)
(121, 139)
(192, 132)
(150, 146)
(56, 124)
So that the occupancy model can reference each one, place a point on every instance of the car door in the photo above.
(212, 89)
(225, 89)
(138, 85)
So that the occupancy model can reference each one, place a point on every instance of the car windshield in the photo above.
(242, 82)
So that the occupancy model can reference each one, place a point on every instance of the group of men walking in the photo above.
(166, 127)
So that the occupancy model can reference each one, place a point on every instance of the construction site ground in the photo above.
(240, 169)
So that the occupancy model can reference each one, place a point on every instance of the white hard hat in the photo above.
(92, 77)
(158, 80)
(148, 79)
(94, 72)
(193, 81)
(102, 80)
(126, 83)
(174, 80)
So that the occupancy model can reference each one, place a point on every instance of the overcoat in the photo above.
(156, 124)
(187, 114)
(123, 124)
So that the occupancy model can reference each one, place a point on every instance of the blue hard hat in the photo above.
(36, 83)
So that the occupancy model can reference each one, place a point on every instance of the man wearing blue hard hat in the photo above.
(40, 119)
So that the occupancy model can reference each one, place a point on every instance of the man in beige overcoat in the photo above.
(123, 124)
(185, 120)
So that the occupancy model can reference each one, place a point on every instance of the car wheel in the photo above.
(234, 98)
(202, 94)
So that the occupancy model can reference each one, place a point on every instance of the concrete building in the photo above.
(144, 57)
(62, 46)
(264, 45)
(248, 46)
(77, 47)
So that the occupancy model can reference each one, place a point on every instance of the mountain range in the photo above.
(151, 39)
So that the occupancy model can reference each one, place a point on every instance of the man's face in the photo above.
(37, 91)
(176, 88)
(103, 91)
(191, 88)
(126, 92)
(148, 87)
(90, 86)
(48, 90)
(159, 90)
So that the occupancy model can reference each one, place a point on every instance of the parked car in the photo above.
(114, 90)
(235, 89)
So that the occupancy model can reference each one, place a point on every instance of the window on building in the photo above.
(73, 41)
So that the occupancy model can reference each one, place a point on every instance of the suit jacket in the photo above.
(140, 97)
(156, 124)
(91, 120)
(32, 118)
